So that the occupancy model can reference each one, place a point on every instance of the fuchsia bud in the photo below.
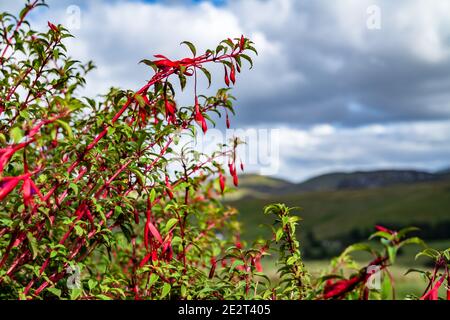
(169, 188)
(227, 79)
(52, 27)
(242, 43)
(213, 267)
(233, 74)
(222, 182)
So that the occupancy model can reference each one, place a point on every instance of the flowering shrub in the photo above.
(100, 201)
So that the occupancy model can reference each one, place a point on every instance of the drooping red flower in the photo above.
(222, 180)
(29, 189)
(339, 288)
(433, 293)
(169, 188)
(213, 267)
(7, 185)
(8, 152)
(199, 116)
(170, 111)
(233, 74)
(448, 285)
(227, 79)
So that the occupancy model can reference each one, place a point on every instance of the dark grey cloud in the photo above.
(352, 75)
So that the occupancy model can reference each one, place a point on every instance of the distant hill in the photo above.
(260, 186)
(335, 205)
(366, 180)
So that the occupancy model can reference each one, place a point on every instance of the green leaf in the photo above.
(207, 74)
(392, 253)
(74, 187)
(75, 294)
(381, 234)
(413, 240)
(191, 47)
(149, 63)
(55, 291)
(91, 284)
(236, 264)
(182, 79)
(16, 134)
(165, 290)
(431, 253)
(170, 224)
(246, 57)
(153, 278)
(33, 244)
(79, 230)
(357, 247)
(140, 100)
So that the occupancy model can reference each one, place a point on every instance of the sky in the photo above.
(338, 85)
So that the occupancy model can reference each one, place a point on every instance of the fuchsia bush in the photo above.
(89, 185)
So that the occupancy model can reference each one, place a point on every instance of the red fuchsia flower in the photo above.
(213, 267)
(448, 285)
(242, 43)
(169, 188)
(233, 173)
(8, 184)
(433, 293)
(340, 288)
(222, 181)
(383, 229)
(227, 79)
(8, 152)
(165, 63)
(228, 121)
(170, 111)
(29, 189)
(233, 74)
(52, 27)
(199, 116)
(242, 166)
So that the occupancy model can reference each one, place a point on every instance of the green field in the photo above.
(333, 214)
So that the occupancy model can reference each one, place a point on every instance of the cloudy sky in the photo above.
(348, 84)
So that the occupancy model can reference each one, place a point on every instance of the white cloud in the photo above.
(344, 96)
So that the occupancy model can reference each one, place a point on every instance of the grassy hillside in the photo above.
(333, 214)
